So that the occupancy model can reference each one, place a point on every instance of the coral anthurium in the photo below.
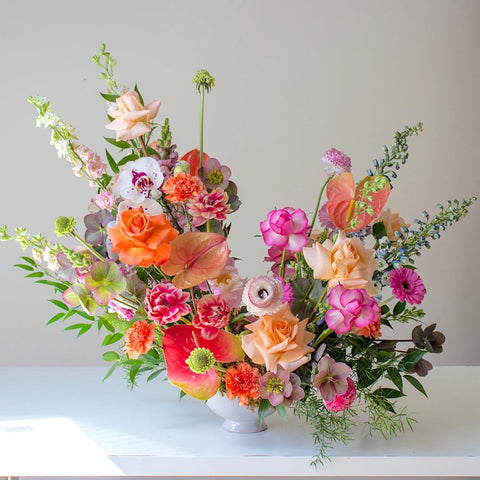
(193, 158)
(196, 257)
(190, 358)
(352, 209)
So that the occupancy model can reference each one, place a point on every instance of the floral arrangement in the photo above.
(154, 271)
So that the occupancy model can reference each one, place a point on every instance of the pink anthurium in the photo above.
(343, 200)
(190, 359)
(196, 257)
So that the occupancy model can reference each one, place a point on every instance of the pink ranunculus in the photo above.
(285, 228)
(212, 315)
(350, 307)
(165, 303)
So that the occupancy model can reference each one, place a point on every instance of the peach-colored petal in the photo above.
(276, 339)
(318, 258)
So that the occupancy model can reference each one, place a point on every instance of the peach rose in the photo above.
(347, 262)
(132, 119)
(141, 239)
(393, 223)
(278, 339)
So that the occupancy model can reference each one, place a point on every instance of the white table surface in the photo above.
(64, 421)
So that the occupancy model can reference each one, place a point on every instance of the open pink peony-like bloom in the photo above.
(343, 401)
(350, 307)
(212, 315)
(131, 118)
(346, 261)
(229, 285)
(285, 228)
(209, 206)
(331, 378)
(407, 285)
(165, 303)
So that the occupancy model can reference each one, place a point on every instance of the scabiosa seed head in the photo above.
(64, 226)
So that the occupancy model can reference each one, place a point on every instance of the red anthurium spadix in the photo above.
(191, 359)
(351, 209)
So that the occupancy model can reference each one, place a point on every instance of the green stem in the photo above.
(322, 337)
(209, 226)
(381, 304)
(314, 218)
(202, 108)
(89, 248)
(282, 265)
(320, 300)
(189, 225)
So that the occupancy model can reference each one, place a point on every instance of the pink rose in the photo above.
(285, 228)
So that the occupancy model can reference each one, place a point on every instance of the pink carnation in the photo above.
(343, 401)
(407, 285)
(209, 206)
(165, 303)
(336, 162)
(285, 229)
(212, 315)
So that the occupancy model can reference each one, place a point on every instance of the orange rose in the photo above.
(347, 262)
(393, 222)
(141, 239)
(278, 339)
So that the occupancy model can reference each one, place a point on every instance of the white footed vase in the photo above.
(237, 418)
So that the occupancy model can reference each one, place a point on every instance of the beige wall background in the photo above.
(293, 80)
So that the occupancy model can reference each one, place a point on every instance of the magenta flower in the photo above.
(281, 387)
(331, 378)
(336, 162)
(165, 303)
(214, 175)
(287, 291)
(209, 206)
(285, 228)
(263, 295)
(350, 307)
(407, 285)
(343, 401)
(212, 315)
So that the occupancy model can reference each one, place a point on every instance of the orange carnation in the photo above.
(182, 187)
(141, 239)
(370, 331)
(242, 382)
(139, 339)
